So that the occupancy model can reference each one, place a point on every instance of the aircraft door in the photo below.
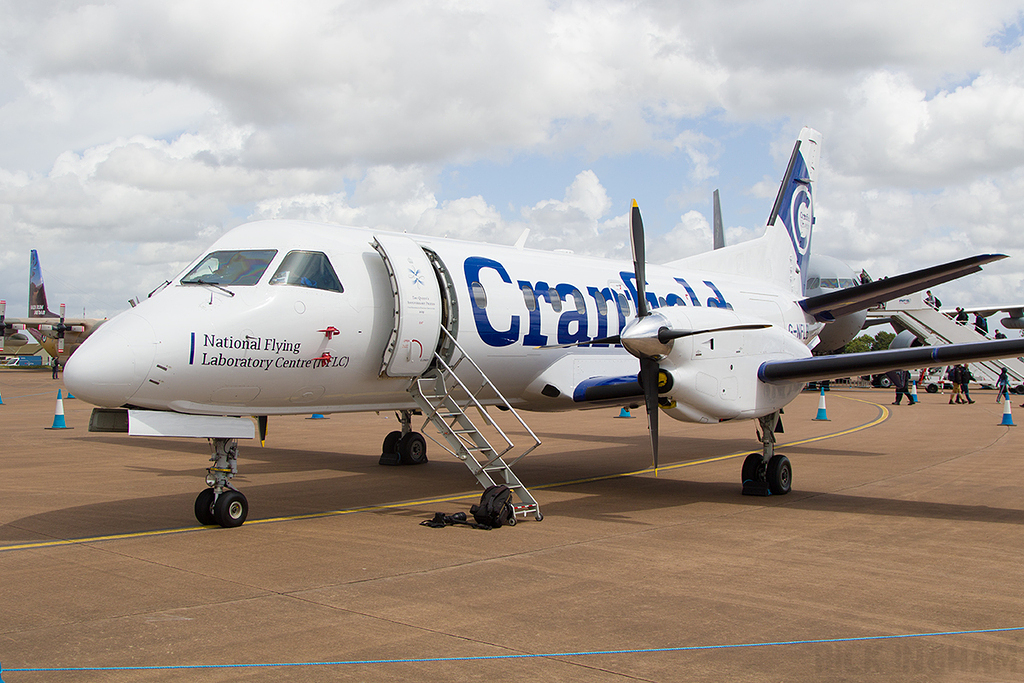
(418, 307)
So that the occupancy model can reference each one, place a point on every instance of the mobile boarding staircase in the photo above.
(453, 394)
(935, 328)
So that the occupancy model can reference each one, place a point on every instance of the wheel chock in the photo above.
(390, 459)
(756, 488)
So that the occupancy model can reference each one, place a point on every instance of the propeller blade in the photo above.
(649, 382)
(3, 323)
(665, 335)
(61, 328)
(636, 238)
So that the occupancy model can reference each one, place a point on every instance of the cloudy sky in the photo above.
(133, 134)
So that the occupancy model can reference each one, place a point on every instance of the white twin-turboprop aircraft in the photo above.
(288, 317)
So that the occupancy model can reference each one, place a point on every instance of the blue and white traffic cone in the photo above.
(623, 413)
(58, 414)
(1007, 415)
(913, 392)
(822, 416)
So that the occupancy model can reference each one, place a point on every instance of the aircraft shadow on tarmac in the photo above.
(361, 483)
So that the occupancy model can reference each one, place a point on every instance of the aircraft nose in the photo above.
(111, 365)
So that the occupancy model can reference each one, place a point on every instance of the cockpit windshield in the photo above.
(242, 267)
(307, 269)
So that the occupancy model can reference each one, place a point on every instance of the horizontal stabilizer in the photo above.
(828, 307)
(875, 362)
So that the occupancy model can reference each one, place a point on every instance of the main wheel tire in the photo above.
(231, 509)
(390, 445)
(780, 475)
(413, 449)
(751, 464)
(204, 507)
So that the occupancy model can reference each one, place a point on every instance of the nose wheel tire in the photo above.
(231, 509)
(780, 475)
(413, 449)
(204, 507)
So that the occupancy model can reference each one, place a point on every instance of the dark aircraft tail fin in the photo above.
(37, 290)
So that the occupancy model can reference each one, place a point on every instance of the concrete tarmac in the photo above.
(896, 557)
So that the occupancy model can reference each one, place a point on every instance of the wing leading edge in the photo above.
(874, 362)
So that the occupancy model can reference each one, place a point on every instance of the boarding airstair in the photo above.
(453, 395)
(935, 328)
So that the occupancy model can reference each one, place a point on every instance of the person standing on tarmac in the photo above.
(1003, 386)
(965, 380)
(901, 380)
(953, 375)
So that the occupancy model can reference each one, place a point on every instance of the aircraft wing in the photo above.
(874, 362)
(50, 324)
(828, 307)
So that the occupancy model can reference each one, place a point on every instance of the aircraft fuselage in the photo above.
(264, 349)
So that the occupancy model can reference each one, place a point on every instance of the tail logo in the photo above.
(802, 213)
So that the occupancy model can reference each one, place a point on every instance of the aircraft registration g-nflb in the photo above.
(289, 317)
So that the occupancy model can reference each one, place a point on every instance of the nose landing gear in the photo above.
(222, 504)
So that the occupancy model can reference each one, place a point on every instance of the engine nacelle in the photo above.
(714, 374)
(1012, 323)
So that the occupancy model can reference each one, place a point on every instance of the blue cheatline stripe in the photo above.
(421, 660)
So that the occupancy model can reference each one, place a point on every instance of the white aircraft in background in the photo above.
(42, 328)
(289, 317)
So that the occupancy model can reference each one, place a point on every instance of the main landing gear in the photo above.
(404, 447)
(221, 503)
(767, 473)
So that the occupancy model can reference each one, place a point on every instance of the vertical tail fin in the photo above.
(37, 290)
(794, 205)
(717, 230)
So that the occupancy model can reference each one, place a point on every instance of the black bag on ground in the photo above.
(495, 508)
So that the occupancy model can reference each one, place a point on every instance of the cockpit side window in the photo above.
(307, 269)
(241, 267)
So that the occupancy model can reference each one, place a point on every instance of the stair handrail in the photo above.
(480, 407)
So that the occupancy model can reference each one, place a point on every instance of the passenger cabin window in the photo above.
(530, 298)
(242, 267)
(479, 295)
(307, 269)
